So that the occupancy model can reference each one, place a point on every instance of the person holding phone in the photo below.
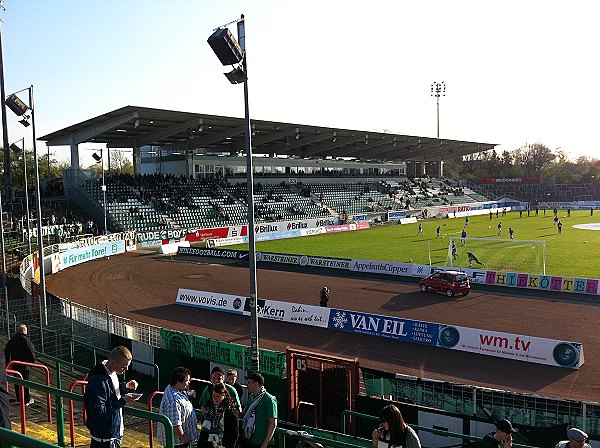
(104, 399)
(393, 431)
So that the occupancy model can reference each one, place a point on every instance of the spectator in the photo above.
(393, 431)
(104, 399)
(324, 300)
(176, 405)
(20, 348)
(217, 375)
(260, 416)
(232, 376)
(502, 438)
(221, 425)
(577, 439)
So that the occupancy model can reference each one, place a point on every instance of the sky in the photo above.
(516, 72)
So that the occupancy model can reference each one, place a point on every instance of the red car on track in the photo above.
(449, 282)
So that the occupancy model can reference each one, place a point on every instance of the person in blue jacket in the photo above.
(104, 399)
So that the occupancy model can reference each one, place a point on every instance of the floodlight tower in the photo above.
(232, 53)
(438, 89)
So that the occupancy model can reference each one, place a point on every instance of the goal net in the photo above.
(496, 254)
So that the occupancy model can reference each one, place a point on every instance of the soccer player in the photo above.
(511, 232)
(454, 250)
(463, 237)
(466, 221)
(473, 258)
(420, 229)
(437, 231)
(559, 224)
(499, 227)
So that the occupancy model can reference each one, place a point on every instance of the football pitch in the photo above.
(574, 252)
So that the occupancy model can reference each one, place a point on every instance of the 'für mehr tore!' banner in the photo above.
(83, 254)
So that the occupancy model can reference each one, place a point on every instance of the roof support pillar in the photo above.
(137, 160)
(441, 168)
(423, 171)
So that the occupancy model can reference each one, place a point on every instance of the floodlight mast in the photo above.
(438, 89)
(229, 53)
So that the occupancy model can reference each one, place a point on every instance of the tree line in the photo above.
(535, 160)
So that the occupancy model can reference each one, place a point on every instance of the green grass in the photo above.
(573, 253)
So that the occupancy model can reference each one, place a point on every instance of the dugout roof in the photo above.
(134, 127)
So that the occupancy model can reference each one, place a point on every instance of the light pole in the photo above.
(15, 104)
(100, 159)
(231, 53)
(16, 149)
(438, 89)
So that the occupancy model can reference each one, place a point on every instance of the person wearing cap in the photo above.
(577, 439)
(232, 376)
(260, 415)
(217, 375)
(502, 437)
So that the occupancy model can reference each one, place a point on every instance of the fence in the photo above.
(522, 409)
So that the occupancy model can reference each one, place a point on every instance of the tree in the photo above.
(120, 163)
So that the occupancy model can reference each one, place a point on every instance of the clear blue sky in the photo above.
(516, 71)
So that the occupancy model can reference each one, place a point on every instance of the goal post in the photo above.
(499, 254)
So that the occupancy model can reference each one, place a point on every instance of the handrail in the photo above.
(438, 432)
(43, 367)
(169, 433)
(150, 427)
(21, 399)
(15, 439)
(72, 409)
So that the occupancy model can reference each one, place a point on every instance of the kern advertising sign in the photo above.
(315, 316)
(384, 326)
(83, 254)
(211, 300)
(512, 346)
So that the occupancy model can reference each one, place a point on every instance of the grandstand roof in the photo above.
(134, 127)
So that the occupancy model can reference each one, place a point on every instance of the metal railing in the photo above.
(60, 394)
(439, 432)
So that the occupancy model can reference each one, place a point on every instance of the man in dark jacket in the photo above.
(105, 396)
(20, 348)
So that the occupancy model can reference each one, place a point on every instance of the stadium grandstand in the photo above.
(190, 170)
